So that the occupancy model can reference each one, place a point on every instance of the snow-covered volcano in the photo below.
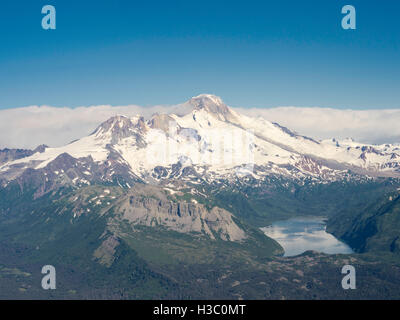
(210, 141)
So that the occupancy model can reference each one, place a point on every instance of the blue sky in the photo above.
(251, 53)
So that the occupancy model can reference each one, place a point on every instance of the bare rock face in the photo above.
(149, 206)
(7, 155)
(163, 122)
(213, 105)
(105, 253)
(120, 127)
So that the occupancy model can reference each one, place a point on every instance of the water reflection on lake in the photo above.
(300, 234)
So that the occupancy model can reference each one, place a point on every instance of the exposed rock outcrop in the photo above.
(149, 206)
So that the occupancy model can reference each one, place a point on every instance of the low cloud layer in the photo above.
(367, 126)
(31, 126)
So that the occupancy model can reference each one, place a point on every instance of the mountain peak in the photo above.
(208, 102)
(211, 104)
(205, 97)
(120, 126)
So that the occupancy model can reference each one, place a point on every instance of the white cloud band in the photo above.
(30, 126)
(367, 126)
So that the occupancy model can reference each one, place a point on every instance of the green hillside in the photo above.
(376, 228)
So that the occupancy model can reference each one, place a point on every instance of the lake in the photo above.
(300, 234)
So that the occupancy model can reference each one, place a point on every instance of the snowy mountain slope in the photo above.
(372, 158)
(209, 142)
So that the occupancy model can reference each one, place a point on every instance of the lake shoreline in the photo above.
(299, 234)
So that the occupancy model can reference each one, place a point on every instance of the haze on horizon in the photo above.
(31, 126)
